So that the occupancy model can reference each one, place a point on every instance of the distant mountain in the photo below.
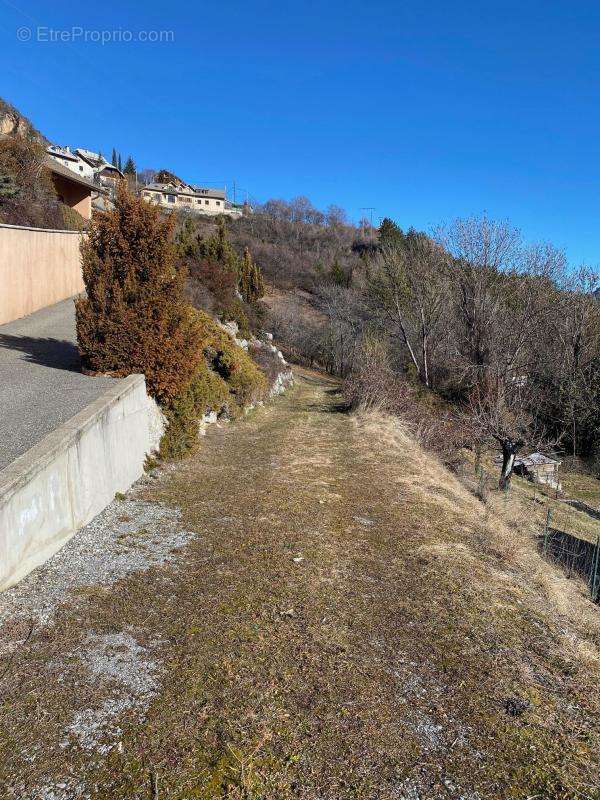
(13, 123)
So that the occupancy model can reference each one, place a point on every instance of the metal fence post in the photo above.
(594, 571)
(547, 529)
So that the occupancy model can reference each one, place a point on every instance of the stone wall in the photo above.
(37, 269)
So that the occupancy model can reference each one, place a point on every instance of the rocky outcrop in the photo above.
(13, 123)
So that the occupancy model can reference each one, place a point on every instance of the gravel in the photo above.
(128, 536)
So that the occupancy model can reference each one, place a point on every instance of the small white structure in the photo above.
(538, 468)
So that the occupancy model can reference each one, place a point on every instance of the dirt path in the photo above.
(327, 632)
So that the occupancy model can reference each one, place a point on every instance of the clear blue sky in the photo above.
(426, 111)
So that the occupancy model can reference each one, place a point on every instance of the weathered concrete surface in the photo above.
(37, 269)
(62, 482)
(41, 385)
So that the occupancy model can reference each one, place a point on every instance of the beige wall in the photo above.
(37, 269)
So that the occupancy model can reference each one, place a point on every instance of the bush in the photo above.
(135, 318)
(226, 381)
(245, 381)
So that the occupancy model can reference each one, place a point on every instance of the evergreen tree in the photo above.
(337, 274)
(250, 279)
(134, 317)
(119, 164)
(390, 234)
(130, 167)
(113, 160)
(8, 187)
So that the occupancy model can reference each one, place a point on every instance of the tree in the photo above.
(114, 161)
(390, 235)
(250, 280)
(500, 417)
(134, 317)
(119, 164)
(408, 285)
(129, 167)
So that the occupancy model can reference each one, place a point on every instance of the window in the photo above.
(206, 202)
(80, 168)
(171, 198)
(218, 202)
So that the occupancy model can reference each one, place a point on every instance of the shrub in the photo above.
(225, 381)
(245, 381)
(134, 318)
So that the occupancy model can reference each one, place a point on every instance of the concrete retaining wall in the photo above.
(37, 269)
(61, 483)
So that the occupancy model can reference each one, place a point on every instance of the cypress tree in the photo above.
(134, 317)
(113, 160)
(119, 164)
(250, 281)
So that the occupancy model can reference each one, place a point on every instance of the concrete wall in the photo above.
(74, 195)
(37, 269)
(61, 483)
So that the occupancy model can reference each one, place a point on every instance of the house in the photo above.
(73, 189)
(107, 175)
(538, 468)
(198, 200)
(88, 164)
(66, 157)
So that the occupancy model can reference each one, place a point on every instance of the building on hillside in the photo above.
(105, 174)
(538, 468)
(73, 189)
(90, 165)
(195, 199)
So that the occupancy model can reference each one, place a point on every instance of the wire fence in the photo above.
(577, 556)
(559, 540)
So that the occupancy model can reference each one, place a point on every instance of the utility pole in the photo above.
(370, 209)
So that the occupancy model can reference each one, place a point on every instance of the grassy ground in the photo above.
(350, 622)
(539, 499)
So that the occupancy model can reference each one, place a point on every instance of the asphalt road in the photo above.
(41, 385)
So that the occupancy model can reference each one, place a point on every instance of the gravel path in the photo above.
(40, 383)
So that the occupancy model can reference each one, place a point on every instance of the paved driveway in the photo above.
(40, 383)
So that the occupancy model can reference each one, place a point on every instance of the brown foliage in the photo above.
(134, 318)
(27, 195)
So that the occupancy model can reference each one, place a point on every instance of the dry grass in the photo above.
(351, 622)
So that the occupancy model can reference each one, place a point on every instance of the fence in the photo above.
(37, 269)
(558, 540)
(577, 556)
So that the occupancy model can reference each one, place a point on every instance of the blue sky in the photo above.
(423, 111)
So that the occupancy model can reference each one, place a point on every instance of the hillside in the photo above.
(342, 619)
(13, 123)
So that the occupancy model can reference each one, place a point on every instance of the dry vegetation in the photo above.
(349, 622)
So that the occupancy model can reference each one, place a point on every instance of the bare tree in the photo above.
(409, 284)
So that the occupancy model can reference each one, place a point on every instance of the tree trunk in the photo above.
(509, 451)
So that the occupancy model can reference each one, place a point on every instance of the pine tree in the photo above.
(250, 280)
(134, 317)
(130, 167)
(390, 234)
(119, 164)
(8, 187)
(337, 274)
(113, 160)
